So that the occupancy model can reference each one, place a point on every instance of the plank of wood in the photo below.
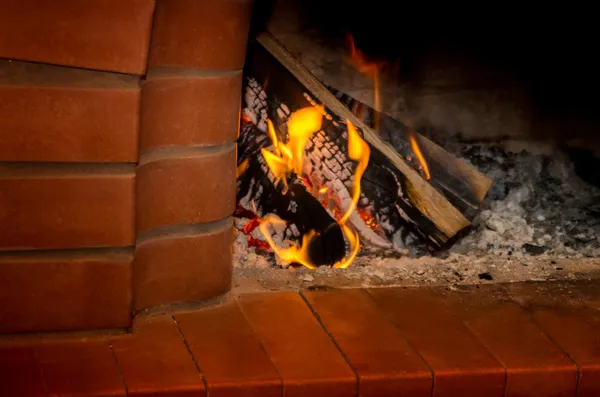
(429, 202)
(463, 185)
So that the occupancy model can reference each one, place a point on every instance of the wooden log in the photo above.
(463, 185)
(426, 208)
(386, 219)
(297, 206)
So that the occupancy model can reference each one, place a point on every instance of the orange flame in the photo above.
(240, 169)
(417, 151)
(358, 150)
(371, 70)
(288, 158)
(298, 254)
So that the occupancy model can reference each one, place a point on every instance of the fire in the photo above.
(240, 169)
(298, 254)
(358, 150)
(371, 70)
(369, 220)
(288, 158)
(417, 151)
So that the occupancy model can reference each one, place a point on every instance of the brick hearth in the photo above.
(529, 339)
(117, 157)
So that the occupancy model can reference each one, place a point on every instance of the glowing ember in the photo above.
(249, 228)
(288, 159)
(369, 220)
(417, 151)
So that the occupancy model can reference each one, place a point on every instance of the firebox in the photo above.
(382, 153)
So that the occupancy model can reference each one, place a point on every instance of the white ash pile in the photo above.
(538, 204)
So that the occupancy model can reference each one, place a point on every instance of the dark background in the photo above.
(554, 49)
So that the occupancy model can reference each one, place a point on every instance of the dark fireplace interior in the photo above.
(510, 91)
(547, 53)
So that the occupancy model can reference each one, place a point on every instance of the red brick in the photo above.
(65, 290)
(461, 365)
(190, 263)
(186, 186)
(306, 358)
(56, 206)
(155, 361)
(191, 110)
(535, 365)
(94, 34)
(385, 363)
(80, 368)
(20, 374)
(200, 34)
(228, 353)
(52, 113)
(559, 309)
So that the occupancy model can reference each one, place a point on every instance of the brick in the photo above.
(108, 35)
(186, 186)
(559, 309)
(192, 110)
(535, 365)
(19, 373)
(200, 34)
(65, 290)
(305, 357)
(187, 264)
(385, 363)
(155, 361)
(228, 353)
(80, 368)
(52, 113)
(462, 366)
(57, 206)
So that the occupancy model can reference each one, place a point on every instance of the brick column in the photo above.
(186, 173)
(68, 148)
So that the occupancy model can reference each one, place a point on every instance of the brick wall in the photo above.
(117, 156)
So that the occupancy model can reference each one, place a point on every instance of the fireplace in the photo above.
(118, 163)
(488, 101)
(128, 170)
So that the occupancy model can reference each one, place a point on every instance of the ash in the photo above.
(537, 204)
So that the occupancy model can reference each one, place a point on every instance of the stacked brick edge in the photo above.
(118, 123)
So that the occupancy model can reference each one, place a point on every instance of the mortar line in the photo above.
(337, 346)
(187, 346)
(408, 341)
(539, 326)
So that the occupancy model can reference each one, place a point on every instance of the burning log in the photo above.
(460, 183)
(388, 203)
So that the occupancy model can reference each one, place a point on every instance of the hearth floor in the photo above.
(522, 339)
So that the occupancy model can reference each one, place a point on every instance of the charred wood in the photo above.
(298, 207)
